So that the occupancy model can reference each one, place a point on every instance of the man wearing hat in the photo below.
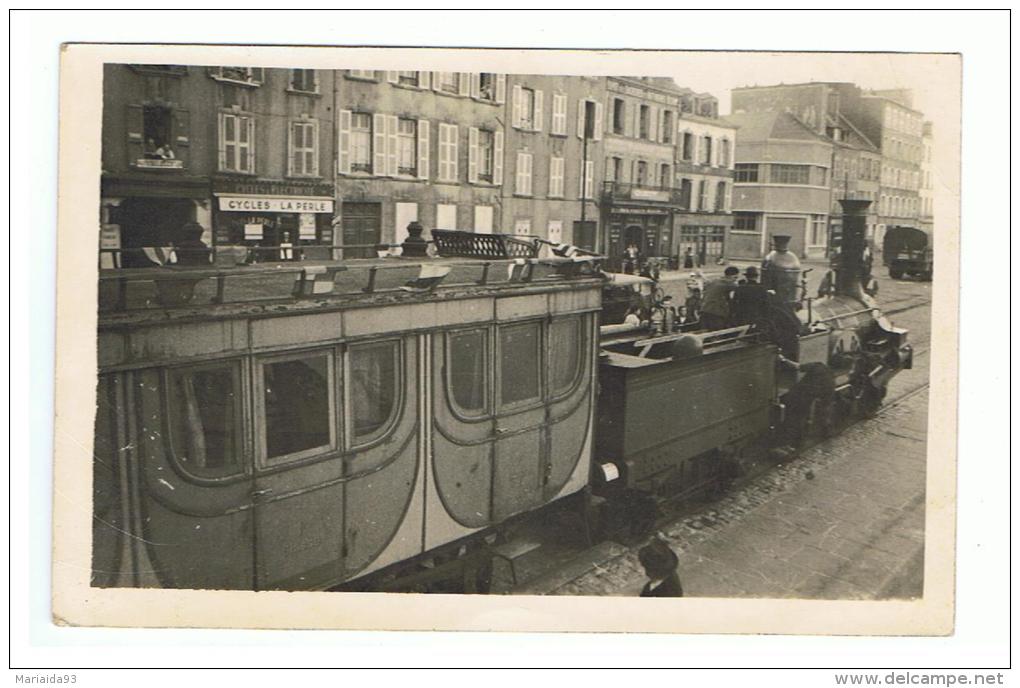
(750, 300)
(715, 309)
(660, 563)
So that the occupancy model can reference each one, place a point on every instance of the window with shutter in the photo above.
(488, 84)
(559, 115)
(556, 167)
(303, 80)
(585, 180)
(237, 143)
(391, 145)
(463, 84)
(497, 159)
(599, 124)
(515, 107)
(423, 149)
(379, 144)
(344, 142)
(472, 155)
(580, 119)
(523, 185)
(537, 115)
(304, 149)
(361, 142)
(501, 88)
(407, 148)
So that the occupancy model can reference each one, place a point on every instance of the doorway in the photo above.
(362, 227)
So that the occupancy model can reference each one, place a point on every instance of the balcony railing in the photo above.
(621, 191)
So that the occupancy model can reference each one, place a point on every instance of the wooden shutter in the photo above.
(537, 119)
(291, 148)
(528, 160)
(501, 88)
(136, 133)
(454, 133)
(464, 83)
(379, 145)
(391, 145)
(221, 144)
(580, 119)
(423, 79)
(476, 85)
(314, 145)
(497, 159)
(436, 79)
(472, 155)
(515, 118)
(181, 135)
(423, 149)
(250, 126)
(393, 77)
(344, 143)
(653, 121)
(599, 124)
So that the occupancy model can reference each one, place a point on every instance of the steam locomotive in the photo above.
(378, 423)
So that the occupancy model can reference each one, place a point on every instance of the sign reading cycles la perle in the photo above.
(275, 204)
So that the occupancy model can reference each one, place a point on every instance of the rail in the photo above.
(136, 289)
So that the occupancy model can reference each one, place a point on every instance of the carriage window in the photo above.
(205, 418)
(468, 378)
(564, 353)
(373, 387)
(519, 361)
(296, 403)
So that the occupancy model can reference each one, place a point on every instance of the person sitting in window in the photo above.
(165, 152)
(151, 150)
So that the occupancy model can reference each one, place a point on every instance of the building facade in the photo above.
(782, 185)
(668, 171)
(417, 146)
(703, 158)
(244, 152)
(554, 138)
(926, 216)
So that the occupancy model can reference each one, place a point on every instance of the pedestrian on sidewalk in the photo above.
(660, 563)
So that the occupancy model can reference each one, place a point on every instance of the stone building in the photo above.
(245, 152)
(926, 215)
(412, 145)
(554, 137)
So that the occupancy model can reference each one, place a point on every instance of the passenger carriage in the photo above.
(302, 427)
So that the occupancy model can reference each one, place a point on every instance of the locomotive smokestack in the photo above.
(851, 266)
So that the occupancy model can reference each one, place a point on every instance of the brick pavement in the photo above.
(854, 529)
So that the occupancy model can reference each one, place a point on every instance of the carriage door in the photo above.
(298, 493)
(362, 226)
(519, 462)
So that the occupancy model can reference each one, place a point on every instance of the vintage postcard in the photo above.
(574, 341)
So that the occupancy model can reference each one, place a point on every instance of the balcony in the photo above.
(620, 191)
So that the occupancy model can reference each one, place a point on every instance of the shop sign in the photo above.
(159, 164)
(275, 204)
(639, 211)
(253, 231)
(306, 226)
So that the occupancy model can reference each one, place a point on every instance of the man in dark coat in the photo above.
(191, 250)
(750, 300)
(660, 563)
(715, 307)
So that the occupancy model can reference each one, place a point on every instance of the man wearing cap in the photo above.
(715, 308)
(750, 300)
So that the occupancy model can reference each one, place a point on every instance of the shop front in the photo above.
(142, 217)
(701, 237)
(650, 230)
(274, 220)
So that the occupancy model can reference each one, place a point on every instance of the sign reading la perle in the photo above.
(275, 204)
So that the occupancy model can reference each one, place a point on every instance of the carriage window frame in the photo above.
(580, 322)
(262, 457)
(540, 355)
(487, 374)
(399, 396)
(240, 469)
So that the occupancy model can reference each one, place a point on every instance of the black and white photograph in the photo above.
(655, 330)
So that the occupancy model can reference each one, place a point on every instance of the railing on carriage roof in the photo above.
(289, 273)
